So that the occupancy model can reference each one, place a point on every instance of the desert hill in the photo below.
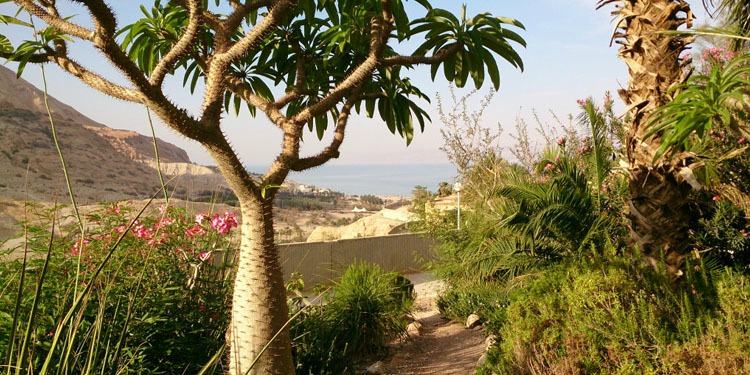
(104, 163)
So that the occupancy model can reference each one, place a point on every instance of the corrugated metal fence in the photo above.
(321, 262)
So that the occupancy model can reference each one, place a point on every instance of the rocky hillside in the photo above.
(104, 163)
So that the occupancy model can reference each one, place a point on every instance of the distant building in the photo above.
(446, 203)
(357, 209)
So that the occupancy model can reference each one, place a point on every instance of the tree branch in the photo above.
(168, 61)
(332, 151)
(102, 15)
(215, 82)
(55, 21)
(419, 59)
(239, 88)
(378, 39)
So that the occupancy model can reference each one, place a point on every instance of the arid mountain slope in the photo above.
(104, 163)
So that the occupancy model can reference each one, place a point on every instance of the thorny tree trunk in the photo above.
(657, 195)
(259, 307)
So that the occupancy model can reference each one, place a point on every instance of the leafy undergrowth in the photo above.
(610, 317)
(367, 308)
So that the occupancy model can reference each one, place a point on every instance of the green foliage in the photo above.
(474, 38)
(324, 41)
(367, 308)
(371, 199)
(146, 298)
(723, 236)
(704, 103)
(484, 299)
(607, 317)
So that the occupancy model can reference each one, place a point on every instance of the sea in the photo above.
(374, 179)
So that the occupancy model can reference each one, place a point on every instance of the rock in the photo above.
(489, 341)
(472, 321)
(482, 360)
(414, 329)
(377, 368)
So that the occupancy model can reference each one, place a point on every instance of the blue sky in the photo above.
(568, 57)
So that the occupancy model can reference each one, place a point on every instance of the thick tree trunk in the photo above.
(259, 309)
(659, 216)
(657, 194)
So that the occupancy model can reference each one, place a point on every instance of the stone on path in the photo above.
(472, 321)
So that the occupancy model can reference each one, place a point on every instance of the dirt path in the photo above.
(443, 347)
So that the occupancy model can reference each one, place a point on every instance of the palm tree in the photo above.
(657, 197)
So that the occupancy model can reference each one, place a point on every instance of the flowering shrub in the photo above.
(164, 282)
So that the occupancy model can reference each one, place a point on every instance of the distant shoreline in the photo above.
(374, 179)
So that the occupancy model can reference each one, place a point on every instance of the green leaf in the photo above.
(5, 45)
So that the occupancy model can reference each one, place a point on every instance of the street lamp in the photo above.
(457, 188)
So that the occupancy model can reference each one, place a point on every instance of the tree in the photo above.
(303, 64)
(444, 189)
(656, 201)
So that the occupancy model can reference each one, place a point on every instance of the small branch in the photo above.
(426, 60)
(55, 21)
(299, 83)
(239, 88)
(96, 81)
(168, 61)
(215, 82)
(332, 151)
(241, 11)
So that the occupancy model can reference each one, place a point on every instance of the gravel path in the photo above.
(443, 347)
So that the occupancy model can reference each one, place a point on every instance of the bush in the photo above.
(367, 308)
(151, 299)
(609, 317)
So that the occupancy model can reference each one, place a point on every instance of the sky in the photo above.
(568, 57)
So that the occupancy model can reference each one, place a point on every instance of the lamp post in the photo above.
(457, 187)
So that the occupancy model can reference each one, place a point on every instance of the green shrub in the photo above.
(367, 308)
(609, 317)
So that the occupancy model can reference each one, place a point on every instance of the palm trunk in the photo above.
(657, 195)
(259, 309)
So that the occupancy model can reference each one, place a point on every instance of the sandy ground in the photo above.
(443, 347)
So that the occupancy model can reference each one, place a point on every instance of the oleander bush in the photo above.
(143, 294)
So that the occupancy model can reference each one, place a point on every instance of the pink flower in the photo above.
(557, 159)
(582, 102)
(204, 256)
(116, 209)
(561, 142)
(121, 228)
(716, 198)
(141, 232)
(195, 231)
(163, 222)
(76, 249)
(224, 223)
(549, 166)
(199, 218)
(742, 140)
